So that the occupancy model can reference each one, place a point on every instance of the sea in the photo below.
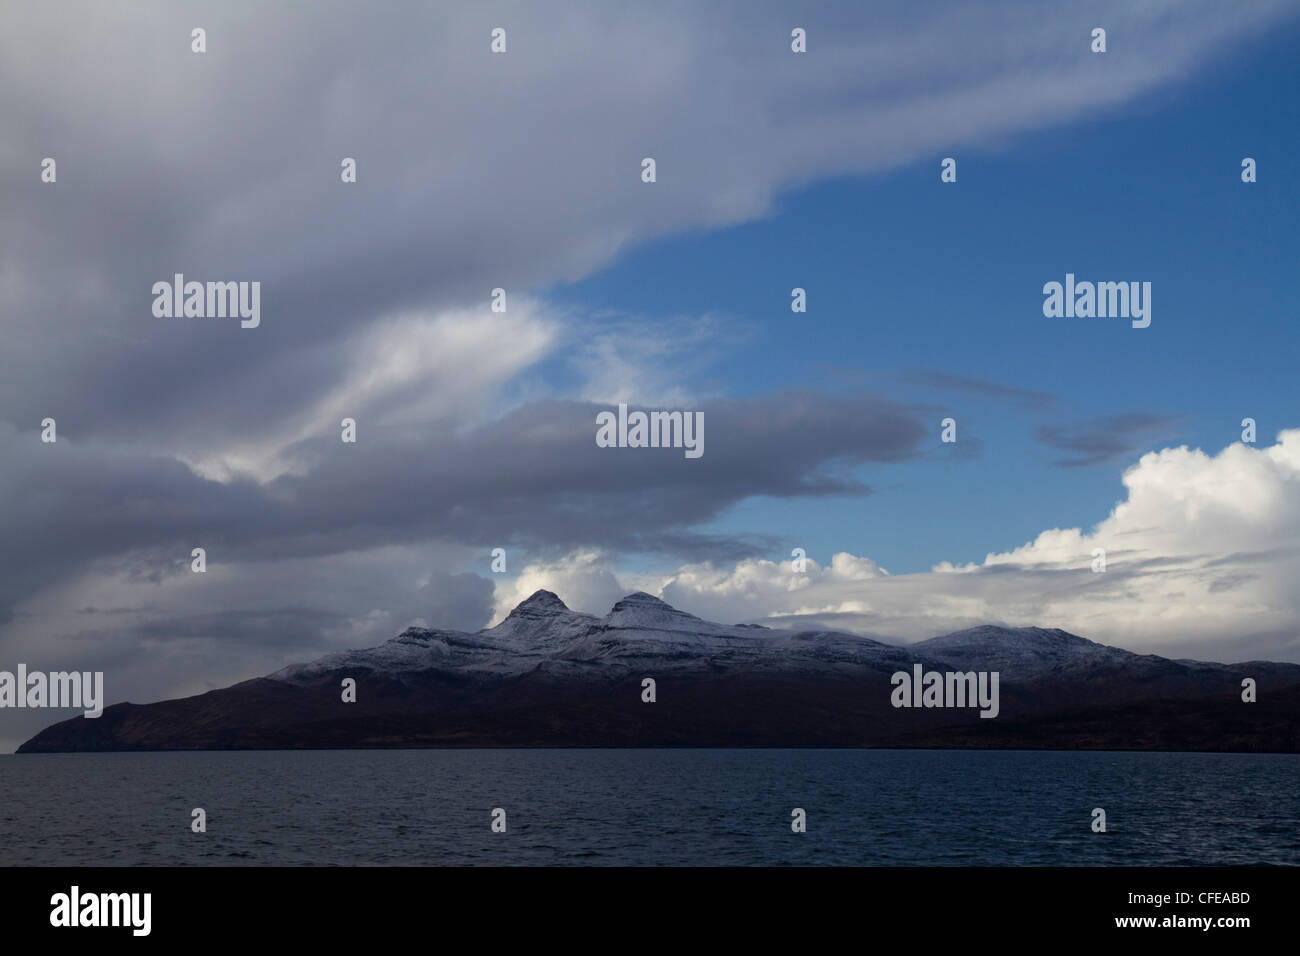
(660, 807)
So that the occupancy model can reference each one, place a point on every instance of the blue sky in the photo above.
(906, 273)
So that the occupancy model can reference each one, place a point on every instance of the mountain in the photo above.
(550, 676)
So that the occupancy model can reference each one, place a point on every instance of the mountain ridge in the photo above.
(547, 675)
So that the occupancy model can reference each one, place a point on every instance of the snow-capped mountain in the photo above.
(550, 676)
(640, 631)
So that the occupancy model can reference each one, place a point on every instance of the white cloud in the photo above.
(584, 580)
(647, 362)
(1202, 560)
(413, 368)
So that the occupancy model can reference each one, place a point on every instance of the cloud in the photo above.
(648, 362)
(534, 477)
(584, 580)
(411, 369)
(178, 632)
(1202, 556)
(476, 170)
(1106, 439)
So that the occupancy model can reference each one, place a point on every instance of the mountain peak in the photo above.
(641, 599)
(540, 602)
(641, 610)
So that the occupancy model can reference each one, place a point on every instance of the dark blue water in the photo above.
(864, 807)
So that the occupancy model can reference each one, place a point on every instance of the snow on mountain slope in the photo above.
(415, 649)
(1018, 653)
(543, 635)
(543, 624)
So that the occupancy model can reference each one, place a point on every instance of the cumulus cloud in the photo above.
(584, 580)
(1201, 560)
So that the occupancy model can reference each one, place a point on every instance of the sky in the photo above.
(522, 170)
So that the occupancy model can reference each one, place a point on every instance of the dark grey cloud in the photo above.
(461, 602)
(1107, 439)
(287, 627)
(534, 478)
